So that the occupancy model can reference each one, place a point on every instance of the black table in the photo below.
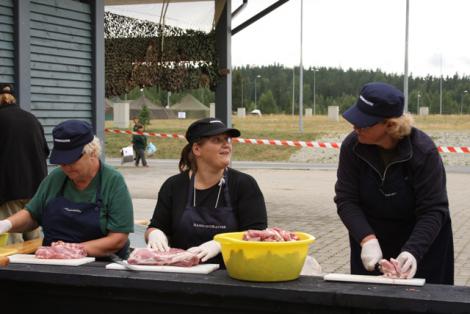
(93, 289)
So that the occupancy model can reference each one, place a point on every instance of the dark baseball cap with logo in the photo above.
(377, 102)
(69, 139)
(208, 127)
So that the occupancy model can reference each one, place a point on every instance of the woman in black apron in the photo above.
(207, 197)
(76, 150)
(391, 192)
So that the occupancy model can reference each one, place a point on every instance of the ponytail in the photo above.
(187, 161)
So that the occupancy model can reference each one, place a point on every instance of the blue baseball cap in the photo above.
(69, 139)
(377, 102)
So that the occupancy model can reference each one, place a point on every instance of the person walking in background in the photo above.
(136, 122)
(83, 200)
(23, 159)
(207, 197)
(391, 190)
(139, 144)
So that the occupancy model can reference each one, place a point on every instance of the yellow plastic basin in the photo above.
(3, 239)
(263, 261)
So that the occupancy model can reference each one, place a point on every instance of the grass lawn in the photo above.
(280, 127)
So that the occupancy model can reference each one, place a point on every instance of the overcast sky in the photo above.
(358, 34)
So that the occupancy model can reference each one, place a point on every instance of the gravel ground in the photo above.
(330, 155)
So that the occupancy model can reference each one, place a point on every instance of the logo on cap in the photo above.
(67, 140)
(370, 103)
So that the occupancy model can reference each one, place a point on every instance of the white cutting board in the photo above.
(374, 279)
(31, 259)
(198, 269)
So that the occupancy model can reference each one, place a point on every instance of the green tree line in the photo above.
(275, 85)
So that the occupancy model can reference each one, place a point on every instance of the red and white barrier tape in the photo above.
(312, 144)
(452, 149)
(162, 135)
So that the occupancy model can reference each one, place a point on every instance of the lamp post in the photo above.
(241, 83)
(293, 90)
(440, 90)
(461, 101)
(417, 107)
(314, 91)
(301, 69)
(405, 83)
(257, 76)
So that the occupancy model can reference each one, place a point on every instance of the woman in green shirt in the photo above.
(82, 201)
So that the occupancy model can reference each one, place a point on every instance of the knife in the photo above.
(378, 268)
(119, 261)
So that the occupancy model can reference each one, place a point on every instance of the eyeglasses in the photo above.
(368, 127)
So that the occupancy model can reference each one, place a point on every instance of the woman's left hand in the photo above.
(206, 250)
(408, 264)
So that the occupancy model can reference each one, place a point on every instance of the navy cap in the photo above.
(208, 127)
(376, 102)
(69, 139)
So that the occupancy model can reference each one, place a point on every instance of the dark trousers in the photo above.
(140, 154)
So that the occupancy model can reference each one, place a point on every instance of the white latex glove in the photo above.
(371, 254)
(5, 226)
(157, 240)
(408, 264)
(206, 250)
(311, 267)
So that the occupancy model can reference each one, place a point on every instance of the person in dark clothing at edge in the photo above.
(391, 190)
(23, 159)
(207, 197)
(139, 144)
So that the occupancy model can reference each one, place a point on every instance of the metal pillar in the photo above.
(223, 92)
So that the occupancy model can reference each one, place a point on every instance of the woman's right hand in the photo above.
(371, 253)
(157, 240)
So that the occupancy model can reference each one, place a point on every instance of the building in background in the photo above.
(52, 54)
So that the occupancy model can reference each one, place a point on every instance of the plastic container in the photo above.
(263, 261)
(3, 239)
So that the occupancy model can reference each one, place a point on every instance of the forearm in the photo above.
(355, 221)
(22, 221)
(426, 230)
(107, 245)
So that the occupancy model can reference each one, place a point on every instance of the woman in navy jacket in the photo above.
(391, 190)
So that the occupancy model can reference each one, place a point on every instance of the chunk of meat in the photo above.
(391, 269)
(174, 257)
(274, 234)
(61, 250)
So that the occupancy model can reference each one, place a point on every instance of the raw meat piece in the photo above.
(270, 235)
(61, 250)
(391, 269)
(174, 257)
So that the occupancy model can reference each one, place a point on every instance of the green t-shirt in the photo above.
(117, 211)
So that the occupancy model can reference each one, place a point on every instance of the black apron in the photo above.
(200, 224)
(64, 220)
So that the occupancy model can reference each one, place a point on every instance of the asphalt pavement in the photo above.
(299, 196)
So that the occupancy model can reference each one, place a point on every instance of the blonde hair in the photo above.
(400, 127)
(6, 98)
(93, 148)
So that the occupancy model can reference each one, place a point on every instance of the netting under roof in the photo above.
(143, 53)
